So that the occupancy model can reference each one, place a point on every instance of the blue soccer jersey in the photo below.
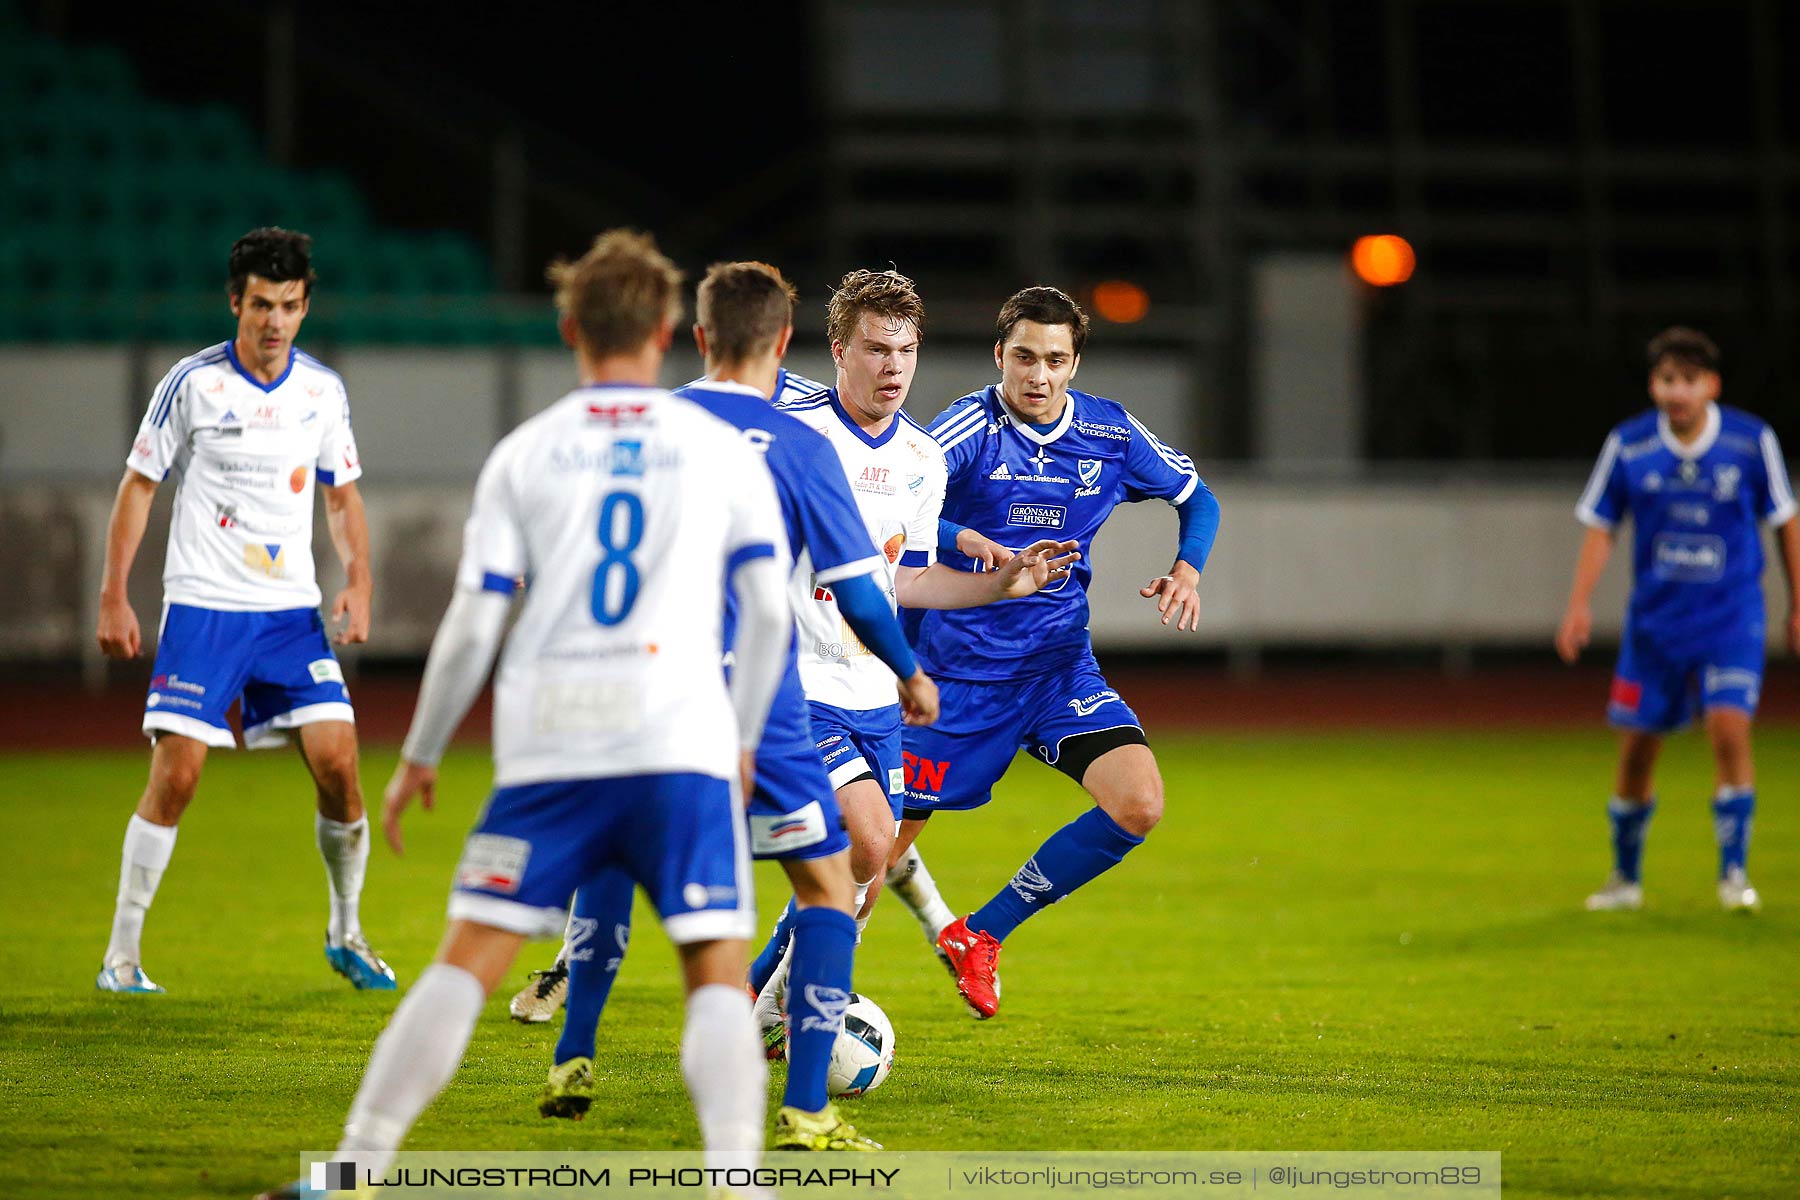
(1016, 484)
(1697, 553)
(822, 520)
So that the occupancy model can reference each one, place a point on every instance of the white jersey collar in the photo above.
(1708, 435)
(1018, 422)
(732, 385)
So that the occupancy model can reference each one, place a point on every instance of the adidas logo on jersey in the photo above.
(1001, 472)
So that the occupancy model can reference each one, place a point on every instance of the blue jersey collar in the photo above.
(1026, 431)
(231, 353)
(1708, 435)
(876, 442)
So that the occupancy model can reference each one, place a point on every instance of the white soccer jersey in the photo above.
(898, 480)
(247, 454)
(625, 510)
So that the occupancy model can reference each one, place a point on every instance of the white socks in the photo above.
(345, 849)
(414, 1058)
(141, 867)
(727, 1076)
(919, 892)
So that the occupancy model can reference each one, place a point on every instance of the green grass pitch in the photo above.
(1354, 941)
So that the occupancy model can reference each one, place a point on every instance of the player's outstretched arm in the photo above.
(118, 631)
(1787, 537)
(939, 586)
(1578, 618)
(349, 526)
(461, 654)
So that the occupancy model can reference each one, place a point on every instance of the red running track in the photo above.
(54, 712)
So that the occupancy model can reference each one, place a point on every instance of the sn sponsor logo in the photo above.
(927, 775)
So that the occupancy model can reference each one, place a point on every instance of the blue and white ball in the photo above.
(864, 1053)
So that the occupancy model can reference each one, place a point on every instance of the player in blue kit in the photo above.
(1030, 457)
(1696, 479)
(745, 320)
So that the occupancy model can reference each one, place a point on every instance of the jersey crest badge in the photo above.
(1089, 470)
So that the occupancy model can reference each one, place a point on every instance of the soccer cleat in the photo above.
(128, 977)
(1619, 895)
(539, 1000)
(360, 965)
(1736, 893)
(974, 957)
(797, 1129)
(774, 1037)
(569, 1090)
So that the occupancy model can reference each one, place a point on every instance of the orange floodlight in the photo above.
(1383, 259)
(1120, 301)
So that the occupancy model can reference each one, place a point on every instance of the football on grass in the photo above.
(864, 1053)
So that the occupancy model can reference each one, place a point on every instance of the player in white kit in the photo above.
(248, 427)
(618, 744)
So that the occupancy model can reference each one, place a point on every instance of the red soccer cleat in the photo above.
(973, 957)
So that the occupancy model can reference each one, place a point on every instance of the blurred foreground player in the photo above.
(248, 426)
(1031, 457)
(745, 321)
(617, 744)
(1695, 478)
(540, 999)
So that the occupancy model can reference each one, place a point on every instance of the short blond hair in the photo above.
(742, 307)
(619, 293)
(882, 293)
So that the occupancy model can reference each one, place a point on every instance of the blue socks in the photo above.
(1732, 809)
(596, 948)
(1629, 820)
(818, 992)
(764, 967)
(1078, 852)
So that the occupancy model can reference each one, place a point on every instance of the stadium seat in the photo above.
(116, 212)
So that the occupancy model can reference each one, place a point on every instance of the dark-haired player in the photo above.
(248, 426)
(1696, 479)
(1029, 457)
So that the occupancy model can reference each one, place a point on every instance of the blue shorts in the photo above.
(855, 742)
(279, 662)
(678, 836)
(955, 763)
(1655, 691)
(793, 811)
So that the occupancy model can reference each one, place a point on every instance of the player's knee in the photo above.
(173, 781)
(1138, 810)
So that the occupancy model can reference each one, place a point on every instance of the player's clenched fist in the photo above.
(118, 631)
(918, 699)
